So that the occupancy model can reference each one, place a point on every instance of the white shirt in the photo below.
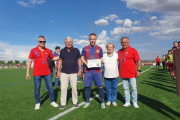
(110, 65)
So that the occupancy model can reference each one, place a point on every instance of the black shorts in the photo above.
(158, 64)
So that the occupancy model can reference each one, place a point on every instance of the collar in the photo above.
(92, 47)
(38, 47)
(126, 49)
(70, 49)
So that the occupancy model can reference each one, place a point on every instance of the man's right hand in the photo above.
(28, 76)
(58, 74)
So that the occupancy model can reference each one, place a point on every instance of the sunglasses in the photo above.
(42, 41)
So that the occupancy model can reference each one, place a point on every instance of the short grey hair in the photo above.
(124, 37)
(68, 38)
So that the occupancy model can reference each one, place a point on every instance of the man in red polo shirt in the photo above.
(158, 60)
(128, 57)
(40, 54)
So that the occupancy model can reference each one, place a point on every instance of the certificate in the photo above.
(94, 63)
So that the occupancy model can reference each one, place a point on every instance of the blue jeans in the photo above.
(111, 88)
(37, 84)
(51, 78)
(132, 82)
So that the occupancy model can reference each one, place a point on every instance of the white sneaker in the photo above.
(126, 104)
(37, 106)
(54, 104)
(136, 105)
(108, 103)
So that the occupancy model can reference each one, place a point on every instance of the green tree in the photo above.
(17, 62)
(2, 62)
(24, 62)
(10, 62)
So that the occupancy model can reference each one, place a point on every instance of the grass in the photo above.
(156, 97)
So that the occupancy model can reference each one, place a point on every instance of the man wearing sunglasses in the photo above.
(40, 54)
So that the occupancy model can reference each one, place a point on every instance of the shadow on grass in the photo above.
(158, 106)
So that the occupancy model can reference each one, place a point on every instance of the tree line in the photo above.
(11, 62)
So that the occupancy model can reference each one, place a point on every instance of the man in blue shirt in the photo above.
(57, 50)
(92, 51)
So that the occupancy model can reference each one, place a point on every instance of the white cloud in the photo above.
(134, 12)
(153, 21)
(37, 1)
(138, 29)
(163, 6)
(20, 52)
(127, 23)
(118, 31)
(111, 17)
(84, 36)
(101, 22)
(137, 22)
(32, 2)
(147, 44)
(52, 21)
(24, 4)
(119, 21)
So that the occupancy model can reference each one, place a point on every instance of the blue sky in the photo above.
(152, 26)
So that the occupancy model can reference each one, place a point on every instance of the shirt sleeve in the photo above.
(136, 55)
(79, 56)
(83, 52)
(60, 56)
(31, 55)
(101, 53)
(50, 54)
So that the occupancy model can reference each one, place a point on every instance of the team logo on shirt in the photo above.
(97, 51)
(46, 54)
(126, 52)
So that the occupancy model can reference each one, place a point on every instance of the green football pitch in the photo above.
(157, 99)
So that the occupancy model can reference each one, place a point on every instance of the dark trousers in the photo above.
(163, 63)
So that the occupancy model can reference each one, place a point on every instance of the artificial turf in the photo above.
(157, 99)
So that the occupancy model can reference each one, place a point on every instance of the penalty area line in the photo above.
(82, 103)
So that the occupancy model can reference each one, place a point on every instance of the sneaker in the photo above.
(79, 81)
(37, 106)
(126, 105)
(54, 104)
(102, 105)
(76, 105)
(45, 88)
(114, 104)
(135, 105)
(57, 86)
(108, 103)
(62, 107)
(86, 105)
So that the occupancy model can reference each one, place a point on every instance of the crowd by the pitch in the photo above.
(168, 59)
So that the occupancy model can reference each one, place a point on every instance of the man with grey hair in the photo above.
(68, 59)
(128, 58)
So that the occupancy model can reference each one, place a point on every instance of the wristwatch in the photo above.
(139, 70)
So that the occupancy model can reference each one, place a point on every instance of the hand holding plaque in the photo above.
(92, 63)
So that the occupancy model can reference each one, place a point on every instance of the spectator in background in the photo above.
(40, 55)
(51, 66)
(158, 61)
(179, 44)
(56, 53)
(176, 44)
(166, 62)
(128, 57)
(111, 75)
(163, 62)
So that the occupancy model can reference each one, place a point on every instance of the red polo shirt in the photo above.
(158, 60)
(127, 60)
(41, 65)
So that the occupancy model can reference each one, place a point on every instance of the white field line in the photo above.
(82, 103)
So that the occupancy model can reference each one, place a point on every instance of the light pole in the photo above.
(0, 54)
(92, 27)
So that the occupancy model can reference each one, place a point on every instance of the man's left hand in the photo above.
(137, 74)
(79, 73)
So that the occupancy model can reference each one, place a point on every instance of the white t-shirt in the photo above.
(110, 65)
